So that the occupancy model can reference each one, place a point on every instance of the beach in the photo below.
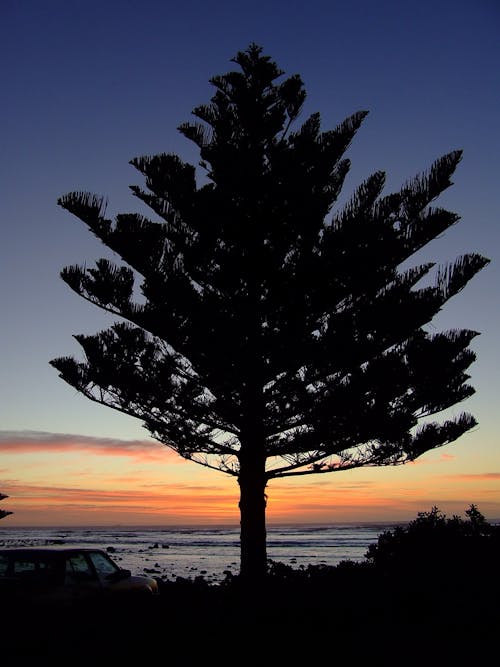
(186, 551)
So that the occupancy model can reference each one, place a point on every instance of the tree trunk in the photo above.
(252, 481)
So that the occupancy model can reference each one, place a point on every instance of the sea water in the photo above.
(211, 552)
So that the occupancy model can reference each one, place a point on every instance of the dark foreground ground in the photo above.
(351, 616)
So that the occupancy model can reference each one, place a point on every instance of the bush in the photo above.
(433, 542)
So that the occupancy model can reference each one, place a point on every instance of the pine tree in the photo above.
(276, 335)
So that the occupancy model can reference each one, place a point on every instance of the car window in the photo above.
(103, 564)
(47, 565)
(20, 566)
(4, 562)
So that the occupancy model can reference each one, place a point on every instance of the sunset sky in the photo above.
(89, 85)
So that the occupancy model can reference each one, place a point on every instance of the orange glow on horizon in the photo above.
(62, 480)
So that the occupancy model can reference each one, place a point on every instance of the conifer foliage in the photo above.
(276, 334)
(4, 513)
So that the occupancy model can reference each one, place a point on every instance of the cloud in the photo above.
(161, 497)
(475, 476)
(431, 459)
(327, 484)
(41, 442)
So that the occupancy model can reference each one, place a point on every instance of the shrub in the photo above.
(433, 542)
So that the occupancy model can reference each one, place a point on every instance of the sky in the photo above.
(87, 86)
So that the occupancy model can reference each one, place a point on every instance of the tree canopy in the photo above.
(263, 331)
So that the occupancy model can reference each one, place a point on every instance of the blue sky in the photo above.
(89, 85)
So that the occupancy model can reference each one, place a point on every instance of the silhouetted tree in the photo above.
(4, 513)
(274, 336)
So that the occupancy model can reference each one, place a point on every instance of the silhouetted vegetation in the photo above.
(386, 609)
(275, 335)
(4, 513)
(433, 542)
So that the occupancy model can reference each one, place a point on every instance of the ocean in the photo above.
(171, 552)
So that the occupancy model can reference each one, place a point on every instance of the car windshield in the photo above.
(78, 569)
(103, 564)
